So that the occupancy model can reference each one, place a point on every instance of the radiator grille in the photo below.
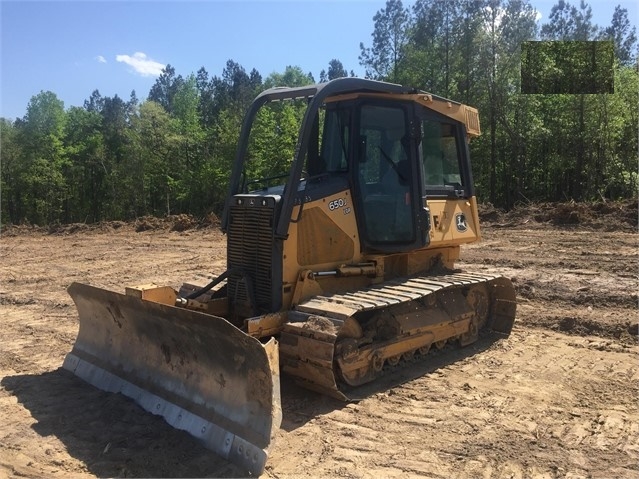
(250, 248)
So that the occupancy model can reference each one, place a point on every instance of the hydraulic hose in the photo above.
(215, 282)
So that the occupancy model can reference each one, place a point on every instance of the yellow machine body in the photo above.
(342, 269)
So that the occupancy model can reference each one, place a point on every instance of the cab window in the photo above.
(335, 141)
(440, 155)
(384, 175)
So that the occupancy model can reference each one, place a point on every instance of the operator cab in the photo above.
(384, 142)
(396, 155)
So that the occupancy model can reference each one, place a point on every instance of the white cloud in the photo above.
(538, 15)
(141, 64)
(100, 59)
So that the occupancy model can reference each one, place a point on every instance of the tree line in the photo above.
(534, 147)
(172, 152)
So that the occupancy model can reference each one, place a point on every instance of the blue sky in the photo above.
(73, 48)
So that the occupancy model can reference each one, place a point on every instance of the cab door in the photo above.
(447, 179)
(391, 215)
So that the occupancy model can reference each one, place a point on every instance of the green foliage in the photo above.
(623, 36)
(533, 147)
(336, 70)
(173, 153)
(87, 173)
(390, 35)
(43, 160)
(165, 88)
(292, 77)
(567, 67)
(11, 174)
(273, 139)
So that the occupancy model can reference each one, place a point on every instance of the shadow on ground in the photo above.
(114, 437)
(109, 433)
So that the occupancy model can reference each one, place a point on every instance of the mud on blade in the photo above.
(198, 371)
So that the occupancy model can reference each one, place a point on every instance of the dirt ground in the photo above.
(558, 398)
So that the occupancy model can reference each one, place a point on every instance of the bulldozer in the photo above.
(338, 271)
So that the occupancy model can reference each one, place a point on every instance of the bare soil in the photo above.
(558, 398)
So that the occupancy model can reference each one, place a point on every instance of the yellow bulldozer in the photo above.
(337, 272)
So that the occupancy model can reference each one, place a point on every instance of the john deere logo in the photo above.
(460, 221)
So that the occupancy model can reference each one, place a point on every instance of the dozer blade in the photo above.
(198, 371)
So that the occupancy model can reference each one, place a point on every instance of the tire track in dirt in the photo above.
(504, 411)
(540, 403)
(575, 281)
(40, 336)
